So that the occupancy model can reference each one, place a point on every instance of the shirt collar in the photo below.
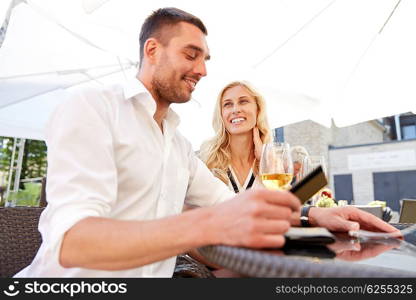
(134, 89)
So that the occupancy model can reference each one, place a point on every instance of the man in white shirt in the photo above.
(119, 173)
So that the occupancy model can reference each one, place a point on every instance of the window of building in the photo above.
(344, 188)
(407, 126)
(278, 135)
(409, 132)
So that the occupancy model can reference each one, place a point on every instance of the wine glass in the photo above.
(301, 163)
(276, 166)
(314, 162)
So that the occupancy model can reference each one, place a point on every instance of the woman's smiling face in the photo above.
(238, 110)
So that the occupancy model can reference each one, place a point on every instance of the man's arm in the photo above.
(252, 219)
(109, 244)
(343, 219)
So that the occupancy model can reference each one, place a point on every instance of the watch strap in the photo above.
(304, 216)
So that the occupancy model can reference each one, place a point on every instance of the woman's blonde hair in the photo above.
(216, 152)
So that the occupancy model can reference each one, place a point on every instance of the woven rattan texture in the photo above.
(19, 238)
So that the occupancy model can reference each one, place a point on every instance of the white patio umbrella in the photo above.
(39, 60)
(318, 60)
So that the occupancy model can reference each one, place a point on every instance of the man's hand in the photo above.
(357, 251)
(347, 218)
(256, 218)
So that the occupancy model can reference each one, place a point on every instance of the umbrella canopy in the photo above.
(350, 61)
(39, 59)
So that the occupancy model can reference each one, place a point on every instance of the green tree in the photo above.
(34, 159)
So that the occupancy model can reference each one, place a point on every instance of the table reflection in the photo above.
(346, 257)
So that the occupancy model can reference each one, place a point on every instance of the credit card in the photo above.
(310, 185)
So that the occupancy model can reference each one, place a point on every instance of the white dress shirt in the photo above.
(108, 157)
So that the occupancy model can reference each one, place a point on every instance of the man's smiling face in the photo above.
(181, 64)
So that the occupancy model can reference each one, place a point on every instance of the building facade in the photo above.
(382, 171)
(374, 160)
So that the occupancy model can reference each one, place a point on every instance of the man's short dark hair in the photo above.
(169, 16)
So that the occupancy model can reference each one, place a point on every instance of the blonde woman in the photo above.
(241, 129)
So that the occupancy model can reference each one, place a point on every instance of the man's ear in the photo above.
(151, 49)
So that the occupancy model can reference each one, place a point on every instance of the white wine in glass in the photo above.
(276, 167)
(276, 181)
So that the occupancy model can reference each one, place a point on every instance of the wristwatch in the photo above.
(304, 216)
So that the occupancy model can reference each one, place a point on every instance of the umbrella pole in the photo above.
(18, 168)
(3, 28)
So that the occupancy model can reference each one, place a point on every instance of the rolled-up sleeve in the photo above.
(82, 176)
(204, 188)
